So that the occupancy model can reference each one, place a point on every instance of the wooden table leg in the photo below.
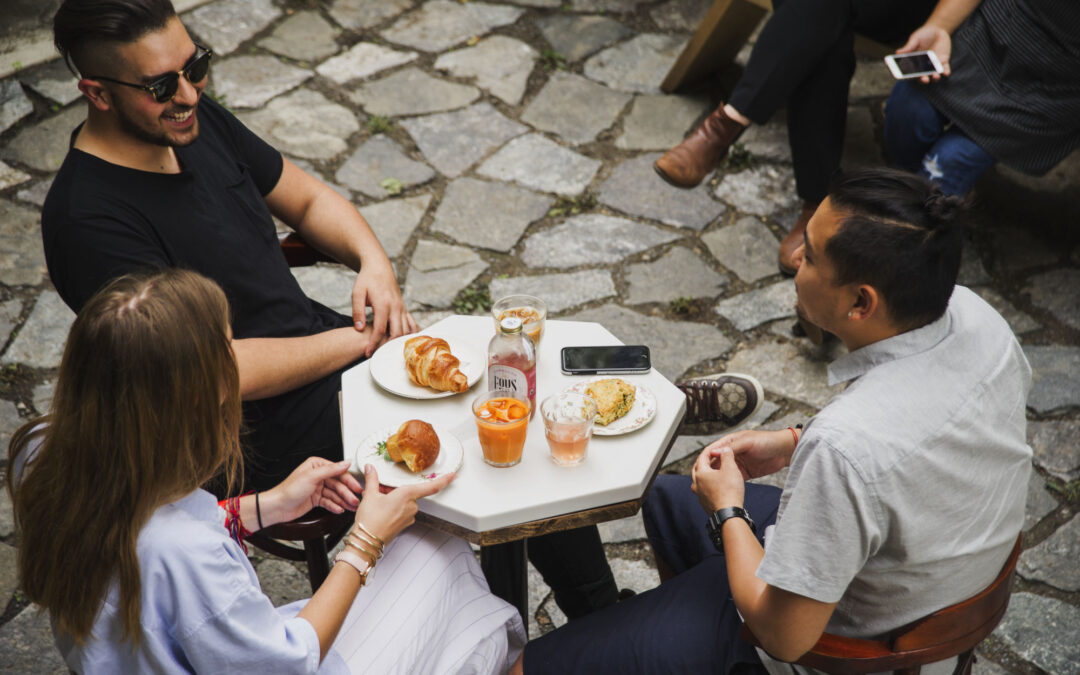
(504, 567)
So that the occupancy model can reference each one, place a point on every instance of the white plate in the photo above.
(388, 367)
(641, 413)
(395, 474)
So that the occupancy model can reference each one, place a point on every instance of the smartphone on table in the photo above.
(606, 360)
(915, 64)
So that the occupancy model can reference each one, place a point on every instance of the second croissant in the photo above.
(430, 364)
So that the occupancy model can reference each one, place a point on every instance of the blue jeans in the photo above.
(921, 140)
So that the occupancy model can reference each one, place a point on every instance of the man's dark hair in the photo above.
(81, 24)
(901, 235)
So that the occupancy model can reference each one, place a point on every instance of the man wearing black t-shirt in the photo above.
(159, 176)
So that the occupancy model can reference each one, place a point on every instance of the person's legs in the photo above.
(675, 521)
(573, 564)
(955, 162)
(912, 126)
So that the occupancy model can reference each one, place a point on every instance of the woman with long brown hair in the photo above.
(135, 562)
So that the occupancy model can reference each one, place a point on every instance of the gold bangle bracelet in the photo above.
(359, 537)
(370, 554)
(360, 526)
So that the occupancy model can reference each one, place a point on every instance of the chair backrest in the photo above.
(952, 631)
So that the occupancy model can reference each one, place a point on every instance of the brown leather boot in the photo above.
(689, 162)
(794, 240)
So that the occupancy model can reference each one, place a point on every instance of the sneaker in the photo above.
(730, 398)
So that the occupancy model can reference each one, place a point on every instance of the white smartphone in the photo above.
(915, 64)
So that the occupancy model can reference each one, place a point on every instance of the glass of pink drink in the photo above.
(568, 425)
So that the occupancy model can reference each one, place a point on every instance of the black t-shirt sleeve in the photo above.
(262, 160)
(95, 250)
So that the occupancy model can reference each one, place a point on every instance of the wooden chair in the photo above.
(953, 631)
(722, 33)
(318, 530)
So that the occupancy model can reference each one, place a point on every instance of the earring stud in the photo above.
(851, 314)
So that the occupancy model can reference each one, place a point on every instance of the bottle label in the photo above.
(523, 384)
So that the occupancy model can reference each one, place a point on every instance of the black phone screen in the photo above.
(613, 358)
(914, 63)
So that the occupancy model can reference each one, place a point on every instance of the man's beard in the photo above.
(162, 138)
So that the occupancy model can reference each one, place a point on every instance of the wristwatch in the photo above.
(358, 562)
(716, 521)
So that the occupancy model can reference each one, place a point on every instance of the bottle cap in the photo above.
(510, 324)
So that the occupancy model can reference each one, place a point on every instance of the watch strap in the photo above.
(358, 562)
(716, 521)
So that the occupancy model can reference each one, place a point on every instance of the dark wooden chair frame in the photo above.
(953, 631)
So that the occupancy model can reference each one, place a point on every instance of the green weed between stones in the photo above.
(378, 124)
(552, 60)
(572, 205)
(739, 158)
(472, 300)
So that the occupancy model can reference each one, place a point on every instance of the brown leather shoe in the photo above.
(687, 164)
(794, 240)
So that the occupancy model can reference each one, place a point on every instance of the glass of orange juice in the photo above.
(531, 310)
(501, 421)
(568, 425)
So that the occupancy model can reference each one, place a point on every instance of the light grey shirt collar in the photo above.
(860, 361)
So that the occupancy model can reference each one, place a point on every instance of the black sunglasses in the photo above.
(164, 88)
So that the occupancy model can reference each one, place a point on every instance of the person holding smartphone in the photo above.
(1009, 91)
(803, 61)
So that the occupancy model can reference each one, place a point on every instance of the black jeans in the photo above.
(804, 59)
(573, 564)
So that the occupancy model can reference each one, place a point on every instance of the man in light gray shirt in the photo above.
(905, 494)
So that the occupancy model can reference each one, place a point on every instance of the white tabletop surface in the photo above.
(483, 497)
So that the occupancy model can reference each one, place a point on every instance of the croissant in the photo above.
(430, 364)
(415, 443)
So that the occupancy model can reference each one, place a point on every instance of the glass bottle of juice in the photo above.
(512, 361)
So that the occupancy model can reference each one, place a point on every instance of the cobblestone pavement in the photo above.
(506, 146)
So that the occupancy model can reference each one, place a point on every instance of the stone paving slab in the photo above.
(360, 14)
(14, 104)
(441, 24)
(1057, 292)
(786, 370)
(1043, 631)
(9, 578)
(590, 239)
(394, 220)
(44, 145)
(35, 193)
(251, 81)
(40, 342)
(679, 273)
(639, 64)
(574, 108)
(328, 283)
(438, 272)
(282, 582)
(26, 645)
(226, 24)
(42, 397)
(1053, 561)
(362, 61)
(9, 316)
(972, 270)
(376, 160)
(680, 15)
(574, 36)
(53, 81)
(675, 346)
(7, 511)
(454, 141)
(1039, 502)
(1018, 321)
(1054, 382)
(560, 291)
(10, 176)
(498, 64)
(22, 260)
(660, 122)
(767, 142)
(488, 215)
(304, 124)
(747, 248)
(412, 92)
(541, 164)
(1055, 446)
(753, 308)
(634, 188)
(9, 422)
(622, 530)
(763, 191)
(304, 36)
(1016, 250)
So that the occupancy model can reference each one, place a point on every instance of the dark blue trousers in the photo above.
(687, 625)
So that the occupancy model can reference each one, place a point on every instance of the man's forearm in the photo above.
(949, 14)
(272, 366)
